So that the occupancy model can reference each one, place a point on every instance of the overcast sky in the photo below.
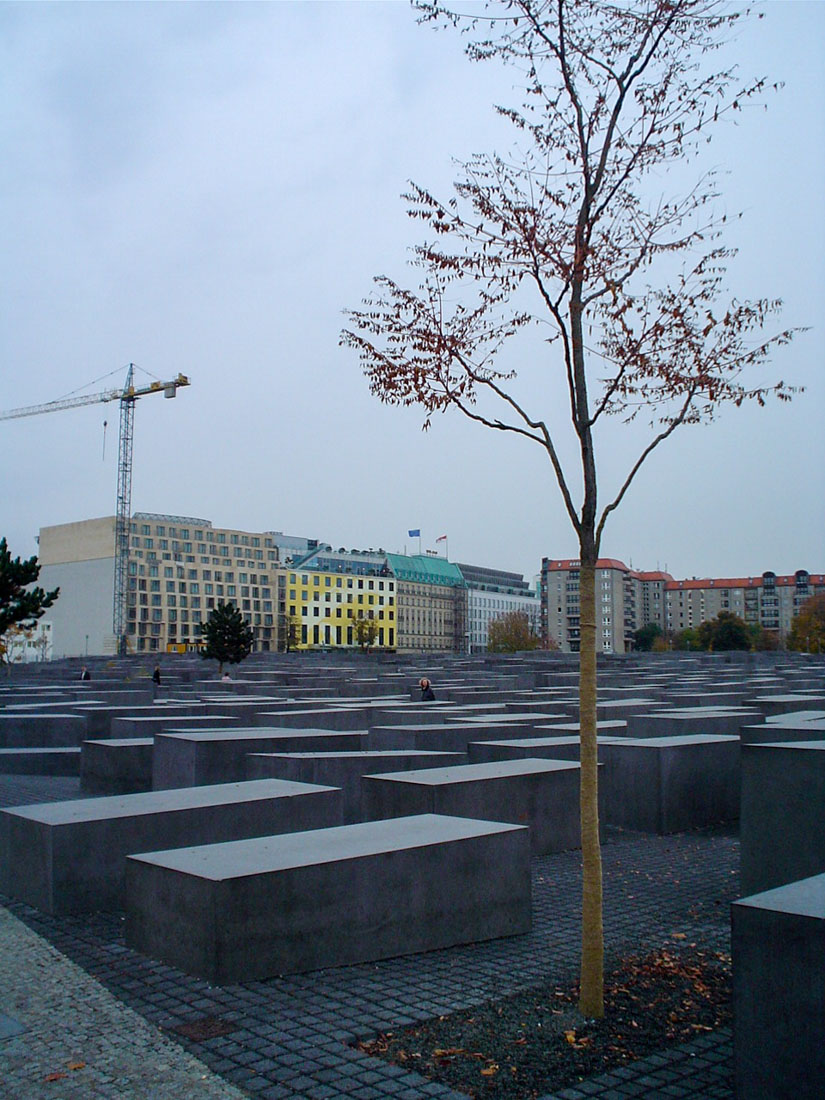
(204, 188)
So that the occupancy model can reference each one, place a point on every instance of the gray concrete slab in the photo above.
(520, 748)
(189, 758)
(778, 948)
(149, 726)
(724, 721)
(243, 911)
(116, 765)
(780, 729)
(33, 730)
(67, 857)
(670, 784)
(543, 794)
(449, 737)
(782, 824)
(40, 761)
(342, 769)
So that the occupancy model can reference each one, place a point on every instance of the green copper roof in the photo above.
(424, 569)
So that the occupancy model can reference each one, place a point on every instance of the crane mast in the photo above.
(123, 514)
(127, 396)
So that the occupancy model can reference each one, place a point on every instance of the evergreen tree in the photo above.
(645, 636)
(724, 633)
(19, 603)
(228, 638)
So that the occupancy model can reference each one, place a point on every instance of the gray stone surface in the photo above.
(116, 766)
(778, 945)
(52, 761)
(184, 758)
(691, 720)
(152, 725)
(69, 856)
(436, 737)
(541, 748)
(77, 1041)
(782, 823)
(52, 730)
(783, 730)
(342, 769)
(237, 912)
(790, 701)
(543, 794)
(99, 717)
(668, 784)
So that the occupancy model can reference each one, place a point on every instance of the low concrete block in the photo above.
(543, 794)
(436, 737)
(724, 721)
(782, 824)
(65, 857)
(151, 726)
(670, 784)
(54, 761)
(539, 748)
(289, 904)
(783, 730)
(184, 758)
(119, 766)
(778, 944)
(99, 717)
(791, 701)
(342, 769)
(31, 731)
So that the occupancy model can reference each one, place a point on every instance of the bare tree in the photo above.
(573, 237)
(511, 633)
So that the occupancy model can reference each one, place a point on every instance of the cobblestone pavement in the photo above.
(69, 1038)
(288, 1038)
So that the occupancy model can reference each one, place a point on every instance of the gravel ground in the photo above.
(67, 1038)
(537, 1042)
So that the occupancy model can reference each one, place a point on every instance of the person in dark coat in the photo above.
(85, 674)
(156, 675)
(427, 693)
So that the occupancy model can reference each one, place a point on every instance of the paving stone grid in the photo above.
(291, 1036)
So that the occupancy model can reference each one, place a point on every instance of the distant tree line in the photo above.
(728, 633)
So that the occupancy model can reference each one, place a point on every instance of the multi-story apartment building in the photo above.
(560, 606)
(179, 568)
(651, 598)
(770, 601)
(431, 599)
(492, 593)
(627, 599)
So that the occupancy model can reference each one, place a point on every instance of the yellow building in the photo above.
(323, 609)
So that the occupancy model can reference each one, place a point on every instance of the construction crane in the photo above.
(127, 396)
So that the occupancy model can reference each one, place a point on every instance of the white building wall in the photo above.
(484, 605)
(83, 608)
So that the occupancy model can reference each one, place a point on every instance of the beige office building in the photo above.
(179, 568)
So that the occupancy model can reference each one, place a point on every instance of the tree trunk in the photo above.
(591, 995)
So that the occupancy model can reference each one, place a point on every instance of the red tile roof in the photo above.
(574, 563)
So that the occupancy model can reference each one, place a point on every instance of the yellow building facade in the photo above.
(323, 608)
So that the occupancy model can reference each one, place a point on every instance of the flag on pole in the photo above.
(416, 534)
(441, 538)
